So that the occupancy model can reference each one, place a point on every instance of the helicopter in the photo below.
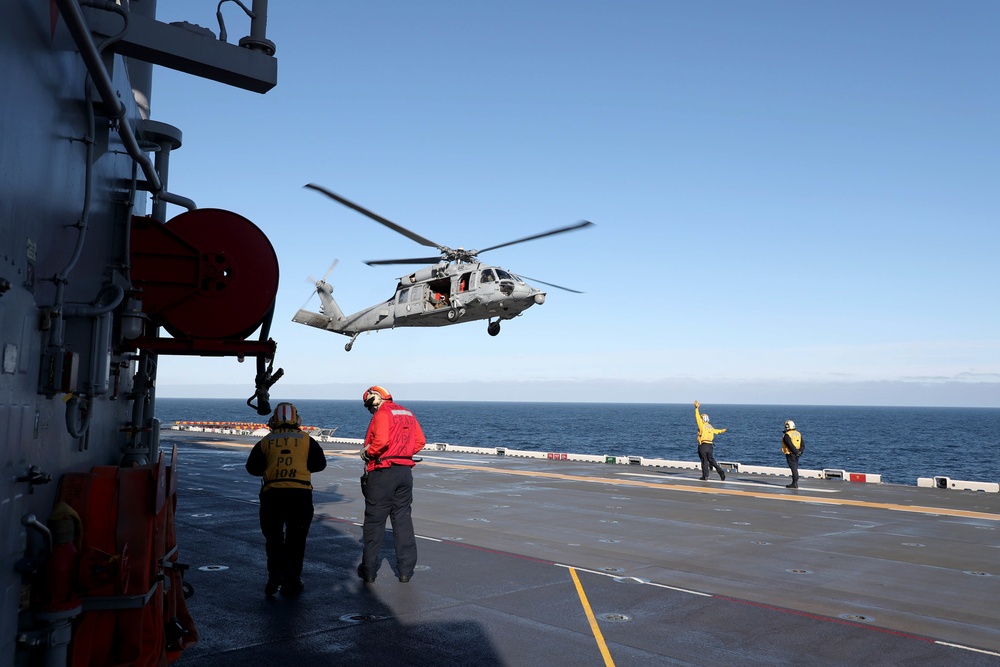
(456, 288)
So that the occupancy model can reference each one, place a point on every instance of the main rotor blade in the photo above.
(536, 280)
(579, 225)
(412, 260)
(376, 217)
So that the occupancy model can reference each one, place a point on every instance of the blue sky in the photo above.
(794, 202)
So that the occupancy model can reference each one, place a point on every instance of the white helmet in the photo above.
(285, 415)
(789, 425)
(704, 418)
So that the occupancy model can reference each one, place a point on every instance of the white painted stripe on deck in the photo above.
(967, 648)
(422, 537)
(647, 583)
(464, 459)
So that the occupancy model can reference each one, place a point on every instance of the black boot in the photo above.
(293, 587)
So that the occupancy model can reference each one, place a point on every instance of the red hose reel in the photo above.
(209, 277)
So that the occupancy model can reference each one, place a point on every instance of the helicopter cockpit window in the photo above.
(404, 295)
(487, 277)
(506, 282)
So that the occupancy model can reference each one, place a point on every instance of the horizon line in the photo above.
(870, 393)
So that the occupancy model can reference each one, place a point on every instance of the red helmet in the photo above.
(373, 394)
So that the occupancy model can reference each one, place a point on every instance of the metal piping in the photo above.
(257, 39)
(100, 346)
(31, 521)
(73, 16)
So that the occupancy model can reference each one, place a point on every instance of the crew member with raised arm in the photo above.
(706, 444)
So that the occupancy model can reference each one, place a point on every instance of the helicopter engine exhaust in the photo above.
(426, 274)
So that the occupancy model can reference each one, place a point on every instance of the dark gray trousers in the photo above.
(388, 495)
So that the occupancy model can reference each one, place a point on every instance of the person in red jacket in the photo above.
(394, 436)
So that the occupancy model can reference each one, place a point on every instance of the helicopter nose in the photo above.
(540, 298)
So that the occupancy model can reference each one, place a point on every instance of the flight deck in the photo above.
(554, 562)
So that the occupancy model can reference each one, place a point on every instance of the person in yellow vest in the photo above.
(792, 445)
(706, 444)
(285, 460)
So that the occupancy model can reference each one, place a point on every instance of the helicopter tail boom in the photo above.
(311, 319)
(331, 318)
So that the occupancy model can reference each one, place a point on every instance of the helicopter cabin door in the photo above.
(488, 281)
(404, 307)
(423, 298)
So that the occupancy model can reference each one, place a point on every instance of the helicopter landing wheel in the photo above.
(452, 315)
(348, 346)
(493, 328)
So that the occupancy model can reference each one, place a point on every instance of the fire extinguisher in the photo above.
(58, 586)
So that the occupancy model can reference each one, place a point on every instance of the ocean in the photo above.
(901, 444)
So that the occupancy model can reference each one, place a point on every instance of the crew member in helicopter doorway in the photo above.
(706, 444)
(285, 460)
(394, 436)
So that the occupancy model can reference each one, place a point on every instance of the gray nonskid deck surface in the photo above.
(675, 571)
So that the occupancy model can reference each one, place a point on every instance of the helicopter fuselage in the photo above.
(456, 289)
(432, 297)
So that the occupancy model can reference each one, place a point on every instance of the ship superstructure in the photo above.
(97, 288)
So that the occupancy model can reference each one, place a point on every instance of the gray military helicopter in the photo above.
(456, 288)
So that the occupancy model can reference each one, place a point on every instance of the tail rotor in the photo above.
(317, 283)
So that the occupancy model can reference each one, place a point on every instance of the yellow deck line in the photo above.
(601, 644)
(917, 509)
